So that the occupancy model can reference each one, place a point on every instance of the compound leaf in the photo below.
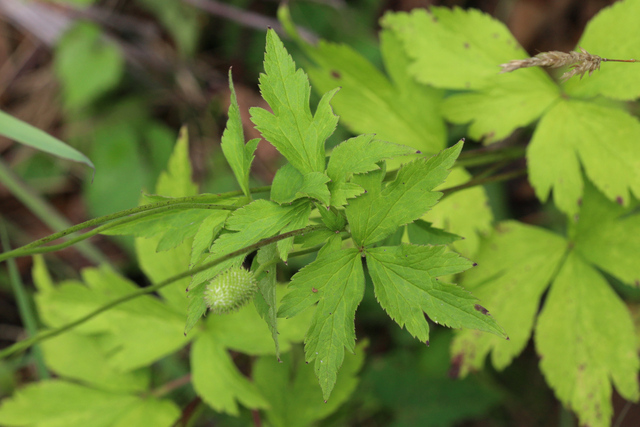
(335, 280)
(586, 340)
(406, 286)
(291, 128)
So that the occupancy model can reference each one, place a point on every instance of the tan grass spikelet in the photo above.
(580, 62)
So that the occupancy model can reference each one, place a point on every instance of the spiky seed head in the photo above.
(230, 290)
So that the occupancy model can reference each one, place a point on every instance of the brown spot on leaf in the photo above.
(580, 201)
(314, 290)
(620, 200)
(481, 309)
(335, 74)
(637, 283)
(427, 343)
(467, 46)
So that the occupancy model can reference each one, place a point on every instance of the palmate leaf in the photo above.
(335, 280)
(463, 49)
(377, 214)
(585, 332)
(406, 286)
(291, 128)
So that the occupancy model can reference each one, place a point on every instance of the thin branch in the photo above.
(475, 182)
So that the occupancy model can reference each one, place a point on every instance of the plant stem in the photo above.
(24, 306)
(23, 345)
(200, 199)
(52, 248)
(170, 386)
(43, 210)
(482, 181)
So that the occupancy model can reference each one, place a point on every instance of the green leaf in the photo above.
(425, 395)
(87, 64)
(586, 340)
(83, 357)
(238, 155)
(290, 387)
(217, 380)
(395, 108)
(576, 134)
(158, 266)
(292, 129)
(176, 180)
(360, 155)
(606, 235)
(117, 186)
(53, 403)
(612, 33)
(463, 49)
(254, 222)
(516, 263)
(406, 286)
(423, 233)
(454, 48)
(24, 133)
(209, 229)
(151, 411)
(502, 105)
(140, 331)
(265, 301)
(336, 282)
(452, 213)
(300, 220)
(374, 216)
(289, 185)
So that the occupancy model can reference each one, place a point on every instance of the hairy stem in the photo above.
(127, 216)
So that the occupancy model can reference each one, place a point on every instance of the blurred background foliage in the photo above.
(117, 78)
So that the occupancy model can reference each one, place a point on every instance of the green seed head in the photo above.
(230, 290)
